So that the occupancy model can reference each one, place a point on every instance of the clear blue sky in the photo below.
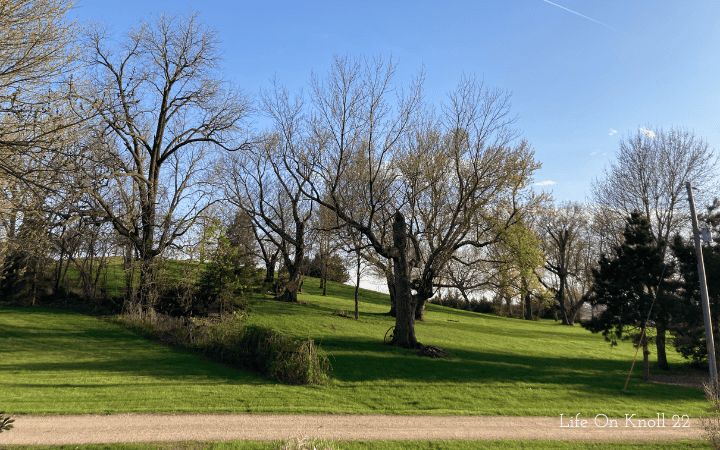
(583, 74)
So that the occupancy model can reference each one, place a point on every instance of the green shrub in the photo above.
(280, 357)
(270, 353)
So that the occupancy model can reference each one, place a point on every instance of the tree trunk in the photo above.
(561, 302)
(404, 335)
(290, 291)
(391, 289)
(270, 269)
(420, 308)
(148, 288)
(357, 288)
(468, 305)
(646, 360)
(660, 345)
(129, 268)
(528, 306)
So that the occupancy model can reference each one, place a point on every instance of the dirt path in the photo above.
(155, 427)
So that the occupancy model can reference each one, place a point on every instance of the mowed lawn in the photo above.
(56, 362)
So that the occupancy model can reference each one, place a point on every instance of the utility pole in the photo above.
(703, 292)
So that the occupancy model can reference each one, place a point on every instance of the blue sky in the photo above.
(583, 74)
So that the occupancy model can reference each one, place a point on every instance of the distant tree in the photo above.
(258, 183)
(569, 251)
(241, 235)
(626, 284)
(326, 266)
(516, 261)
(468, 272)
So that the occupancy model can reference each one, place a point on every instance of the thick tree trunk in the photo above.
(391, 289)
(270, 269)
(528, 306)
(561, 302)
(148, 288)
(404, 335)
(289, 293)
(420, 308)
(660, 345)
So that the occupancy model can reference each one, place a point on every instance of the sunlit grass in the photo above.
(54, 362)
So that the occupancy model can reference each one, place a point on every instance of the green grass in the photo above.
(55, 362)
(384, 445)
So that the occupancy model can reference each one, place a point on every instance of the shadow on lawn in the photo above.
(584, 375)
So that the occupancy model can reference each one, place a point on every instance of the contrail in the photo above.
(577, 13)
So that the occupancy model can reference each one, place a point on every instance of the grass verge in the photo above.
(56, 362)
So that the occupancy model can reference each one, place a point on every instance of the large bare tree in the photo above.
(417, 185)
(160, 108)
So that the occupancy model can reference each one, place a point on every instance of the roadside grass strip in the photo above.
(58, 362)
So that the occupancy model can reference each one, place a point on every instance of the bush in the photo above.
(279, 357)
(270, 353)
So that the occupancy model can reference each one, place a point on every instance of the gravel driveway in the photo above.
(156, 427)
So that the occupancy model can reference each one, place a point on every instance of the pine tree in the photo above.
(626, 286)
(689, 329)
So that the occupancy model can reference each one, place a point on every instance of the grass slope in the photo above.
(55, 362)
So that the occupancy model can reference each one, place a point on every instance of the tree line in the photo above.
(139, 149)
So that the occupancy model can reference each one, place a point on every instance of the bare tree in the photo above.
(36, 52)
(570, 256)
(418, 187)
(649, 177)
(258, 183)
(160, 107)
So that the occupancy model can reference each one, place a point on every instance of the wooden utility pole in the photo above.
(703, 291)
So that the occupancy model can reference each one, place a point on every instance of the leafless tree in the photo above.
(570, 253)
(258, 183)
(159, 108)
(418, 187)
(649, 176)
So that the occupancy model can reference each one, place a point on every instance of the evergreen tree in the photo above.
(625, 287)
(689, 329)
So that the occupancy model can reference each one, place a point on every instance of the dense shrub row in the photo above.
(270, 353)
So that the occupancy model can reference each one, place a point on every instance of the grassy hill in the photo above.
(58, 362)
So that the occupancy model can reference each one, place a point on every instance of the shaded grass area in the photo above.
(55, 362)
(384, 445)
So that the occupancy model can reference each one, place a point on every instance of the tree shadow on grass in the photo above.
(362, 363)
